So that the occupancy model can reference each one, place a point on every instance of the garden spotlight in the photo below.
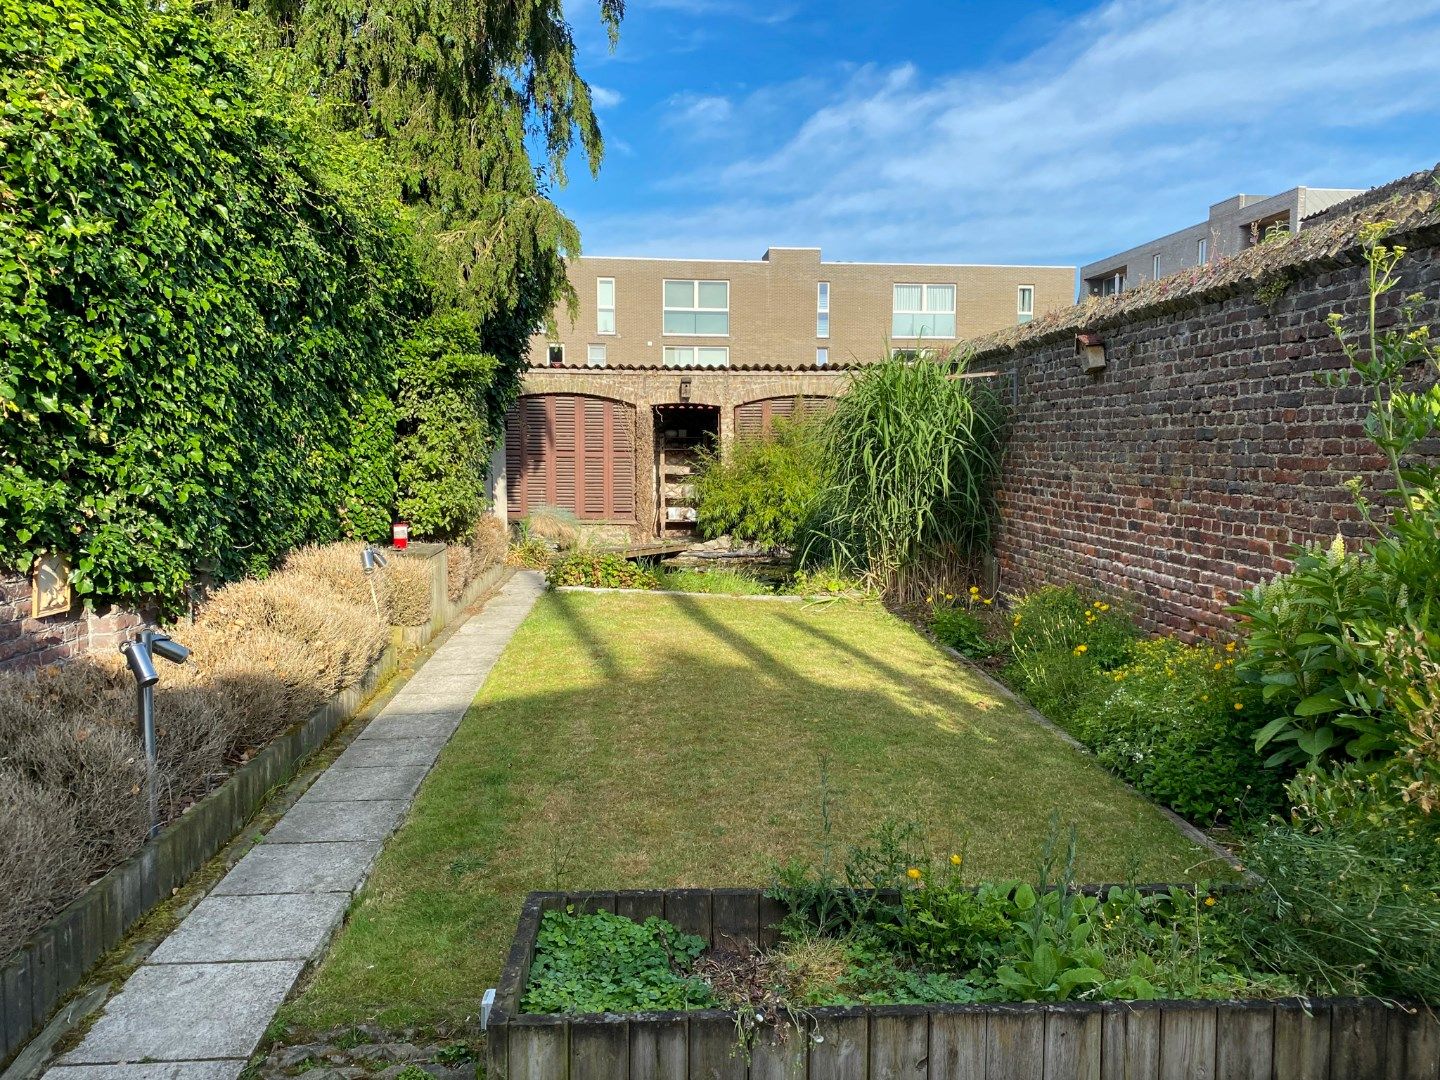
(140, 653)
(371, 560)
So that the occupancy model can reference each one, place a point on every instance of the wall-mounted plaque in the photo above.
(50, 586)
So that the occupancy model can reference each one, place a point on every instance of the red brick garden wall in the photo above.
(1190, 467)
(27, 642)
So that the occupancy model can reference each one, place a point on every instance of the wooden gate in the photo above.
(571, 452)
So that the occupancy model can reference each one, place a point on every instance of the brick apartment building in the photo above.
(1232, 226)
(667, 357)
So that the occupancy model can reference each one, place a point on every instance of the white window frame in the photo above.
(550, 348)
(1024, 312)
(1202, 251)
(665, 309)
(1155, 267)
(591, 359)
(601, 310)
(822, 356)
(822, 309)
(694, 351)
(925, 308)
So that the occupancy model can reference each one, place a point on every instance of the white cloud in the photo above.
(1125, 124)
(604, 98)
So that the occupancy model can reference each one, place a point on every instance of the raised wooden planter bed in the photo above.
(1325, 1039)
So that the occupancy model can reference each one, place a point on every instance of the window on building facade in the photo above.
(605, 305)
(923, 311)
(822, 309)
(1155, 267)
(1025, 303)
(1202, 251)
(701, 308)
(595, 356)
(556, 355)
(822, 357)
(695, 356)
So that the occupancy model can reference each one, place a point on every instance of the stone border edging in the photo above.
(56, 958)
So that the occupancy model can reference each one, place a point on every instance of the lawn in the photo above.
(630, 741)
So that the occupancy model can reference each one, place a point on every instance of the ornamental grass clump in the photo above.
(912, 451)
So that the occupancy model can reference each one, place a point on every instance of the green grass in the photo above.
(629, 741)
(722, 580)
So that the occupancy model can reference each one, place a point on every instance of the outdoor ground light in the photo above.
(140, 652)
(372, 559)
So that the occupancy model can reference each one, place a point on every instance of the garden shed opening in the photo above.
(683, 432)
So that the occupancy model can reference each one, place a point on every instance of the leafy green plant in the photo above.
(958, 624)
(912, 453)
(607, 963)
(764, 490)
(1062, 618)
(1177, 724)
(200, 293)
(443, 435)
(600, 571)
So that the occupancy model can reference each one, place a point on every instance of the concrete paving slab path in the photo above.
(198, 1007)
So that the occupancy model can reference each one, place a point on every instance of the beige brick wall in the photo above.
(773, 305)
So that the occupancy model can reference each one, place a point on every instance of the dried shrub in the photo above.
(409, 581)
(459, 570)
(338, 567)
(344, 638)
(488, 544)
(42, 864)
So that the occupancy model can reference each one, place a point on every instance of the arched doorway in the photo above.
(684, 433)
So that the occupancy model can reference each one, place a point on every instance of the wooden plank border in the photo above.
(1115, 1040)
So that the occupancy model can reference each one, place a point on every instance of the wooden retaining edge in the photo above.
(771, 597)
(1192, 832)
(1356, 1038)
(58, 956)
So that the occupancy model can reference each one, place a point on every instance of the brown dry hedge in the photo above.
(265, 654)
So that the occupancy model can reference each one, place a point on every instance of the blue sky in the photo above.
(963, 132)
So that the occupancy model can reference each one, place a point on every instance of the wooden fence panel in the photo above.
(899, 1043)
(1130, 1042)
(1244, 1042)
(1015, 1045)
(600, 1051)
(1073, 1039)
(839, 1048)
(659, 1049)
(957, 1045)
(1302, 1042)
(715, 1050)
(1187, 1043)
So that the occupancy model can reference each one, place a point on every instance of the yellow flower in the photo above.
(986, 600)
(1209, 901)
(1204, 697)
(1081, 650)
(1218, 665)
(913, 873)
(974, 590)
(1238, 705)
(1097, 603)
(949, 596)
(1104, 607)
(956, 860)
(1229, 646)
(929, 599)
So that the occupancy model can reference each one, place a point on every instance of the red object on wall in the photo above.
(571, 452)
(400, 535)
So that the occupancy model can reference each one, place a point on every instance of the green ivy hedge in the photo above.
(200, 299)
